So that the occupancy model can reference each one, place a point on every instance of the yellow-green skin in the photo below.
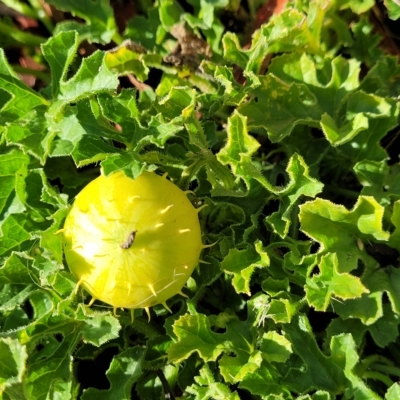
(165, 249)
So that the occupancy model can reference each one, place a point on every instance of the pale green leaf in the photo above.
(12, 362)
(320, 288)
(241, 264)
(275, 347)
(338, 230)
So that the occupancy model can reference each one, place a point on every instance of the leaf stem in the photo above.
(378, 376)
(294, 229)
(117, 38)
(167, 390)
(387, 369)
(368, 361)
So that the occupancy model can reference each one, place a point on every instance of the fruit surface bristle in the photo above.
(166, 209)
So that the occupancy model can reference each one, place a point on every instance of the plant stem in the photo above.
(21, 37)
(167, 390)
(20, 8)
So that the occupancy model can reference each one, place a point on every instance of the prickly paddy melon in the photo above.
(132, 243)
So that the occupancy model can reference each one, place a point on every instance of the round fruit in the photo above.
(132, 243)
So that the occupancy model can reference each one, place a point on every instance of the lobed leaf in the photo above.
(100, 24)
(125, 369)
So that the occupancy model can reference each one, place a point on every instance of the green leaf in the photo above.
(124, 371)
(12, 168)
(369, 308)
(205, 276)
(366, 47)
(344, 354)
(263, 380)
(98, 14)
(382, 78)
(233, 51)
(352, 326)
(121, 108)
(194, 334)
(127, 59)
(146, 31)
(206, 388)
(395, 236)
(15, 269)
(170, 13)
(385, 330)
(371, 175)
(275, 347)
(278, 106)
(206, 9)
(360, 108)
(393, 9)
(16, 99)
(330, 283)
(393, 392)
(50, 240)
(150, 387)
(235, 370)
(319, 371)
(300, 184)
(241, 264)
(14, 233)
(50, 374)
(338, 230)
(237, 153)
(83, 136)
(31, 134)
(287, 97)
(288, 31)
(175, 102)
(92, 77)
(12, 365)
(366, 145)
(240, 145)
(358, 6)
(127, 162)
(60, 51)
(274, 286)
(282, 310)
(98, 328)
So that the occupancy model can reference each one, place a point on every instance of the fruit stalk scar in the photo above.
(129, 240)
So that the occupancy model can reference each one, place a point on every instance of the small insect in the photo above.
(129, 241)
